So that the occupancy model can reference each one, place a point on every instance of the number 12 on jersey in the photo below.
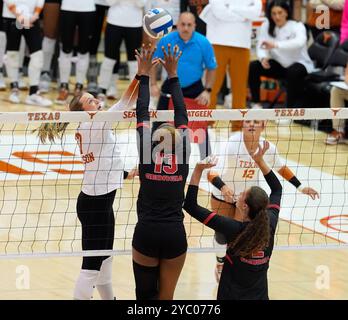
(248, 173)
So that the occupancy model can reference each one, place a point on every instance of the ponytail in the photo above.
(52, 131)
(255, 237)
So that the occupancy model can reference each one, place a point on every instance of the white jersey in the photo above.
(127, 13)
(172, 6)
(24, 7)
(239, 171)
(101, 157)
(78, 5)
(223, 16)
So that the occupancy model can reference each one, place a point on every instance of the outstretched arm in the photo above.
(225, 225)
(271, 178)
(145, 64)
(170, 63)
(216, 181)
(287, 174)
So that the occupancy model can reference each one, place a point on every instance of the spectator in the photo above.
(282, 53)
(74, 14)
(172, 6)
(22, 19)
(229, 28)
(344, 24)
(316, 18)
(50, 28)
(101, 9)
(2, 49)
(124, 21)
(196, 7)
(197, 57)
(337, 100)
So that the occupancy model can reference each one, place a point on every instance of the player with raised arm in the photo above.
(240, 171)
(159, 240)
(250, 236)
(103, 175)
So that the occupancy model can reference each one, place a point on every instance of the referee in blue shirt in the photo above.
(197, 56)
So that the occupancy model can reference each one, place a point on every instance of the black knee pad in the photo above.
(220, 238)
(92, 263)
(146, 282)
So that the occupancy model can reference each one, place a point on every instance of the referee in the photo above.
(197, 58)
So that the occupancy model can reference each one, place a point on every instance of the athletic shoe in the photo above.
(256, 106)
(112, 92)
(102, 98)
(78, 89)
(283, 122)
(92, 87)
(37, 100)
(218, 271)
(335, 137)
(63, 96)
(22, 84)
(228, 101)
(45, 82)
(2, 82)
(14, 96)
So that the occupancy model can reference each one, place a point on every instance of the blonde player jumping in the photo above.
(103, 175)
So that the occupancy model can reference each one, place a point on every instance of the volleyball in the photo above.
(157, 23)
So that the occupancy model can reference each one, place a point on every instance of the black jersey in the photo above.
(241, 278)
(162, 175)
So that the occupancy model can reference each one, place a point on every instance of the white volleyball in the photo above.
(157, 23)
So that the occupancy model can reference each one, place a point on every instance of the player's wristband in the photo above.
(300, 189)
(218, 183)
(295, 182)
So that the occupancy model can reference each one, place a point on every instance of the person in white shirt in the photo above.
(74, 14)
(20, 18)
(51, 12)
(101, 7)
(172, 6)
(2, 49)
(103, 175)
(229, 28)
(238, 171)
(124, 22)
(282, 54)
(338, 98)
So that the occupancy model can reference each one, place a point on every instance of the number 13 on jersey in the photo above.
(171, 165)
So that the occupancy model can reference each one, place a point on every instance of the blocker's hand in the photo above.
(170, 62)
(145, 59)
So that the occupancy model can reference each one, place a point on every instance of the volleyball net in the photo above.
(40, 183)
